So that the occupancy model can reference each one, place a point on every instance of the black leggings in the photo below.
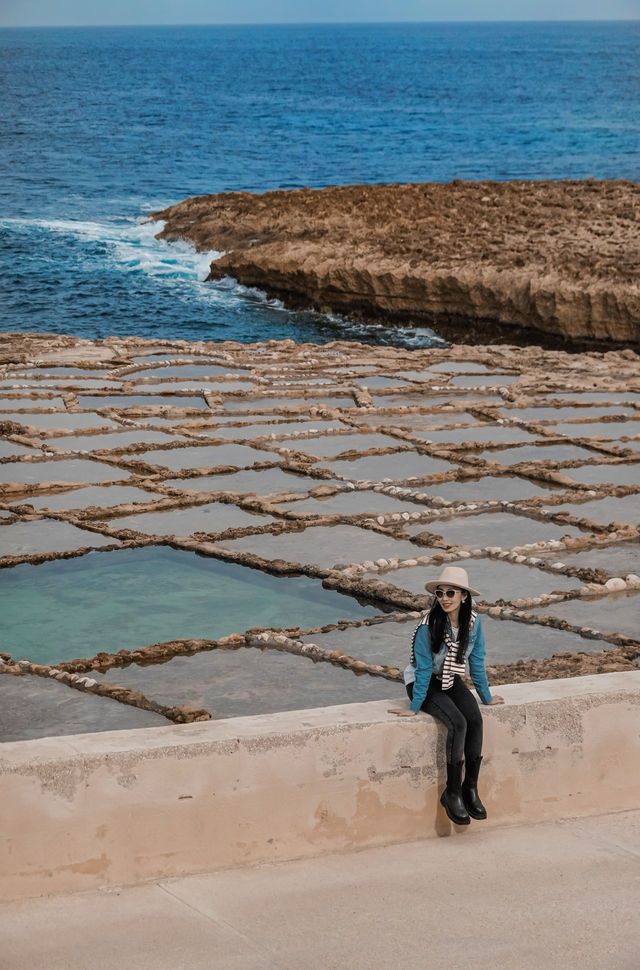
(458, 710)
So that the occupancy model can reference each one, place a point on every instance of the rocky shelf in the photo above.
(552, 263)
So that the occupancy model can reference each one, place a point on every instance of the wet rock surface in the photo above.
(479, 261)
(304, 511)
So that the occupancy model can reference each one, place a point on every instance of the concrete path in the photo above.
(559, 894)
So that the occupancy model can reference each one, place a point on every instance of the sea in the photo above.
(100, 127)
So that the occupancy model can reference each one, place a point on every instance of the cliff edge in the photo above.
(539, 262)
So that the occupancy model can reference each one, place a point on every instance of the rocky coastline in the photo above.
(550, 263)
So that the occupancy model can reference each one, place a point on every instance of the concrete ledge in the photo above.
(125, 807)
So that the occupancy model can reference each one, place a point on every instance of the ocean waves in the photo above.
(99, 279)
(129, 246)
(101, 130)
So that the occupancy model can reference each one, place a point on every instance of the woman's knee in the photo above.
(474, 720)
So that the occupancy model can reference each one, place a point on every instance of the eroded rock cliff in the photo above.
(478, 261)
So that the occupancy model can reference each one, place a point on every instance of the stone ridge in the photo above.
(530, 262)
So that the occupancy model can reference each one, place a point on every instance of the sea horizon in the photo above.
(327, 23)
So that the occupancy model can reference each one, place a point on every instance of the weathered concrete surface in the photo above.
(560, 893)
(89, 811)
(479, 261)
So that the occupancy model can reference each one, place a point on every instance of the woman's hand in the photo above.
(402, 711)
(496, 699)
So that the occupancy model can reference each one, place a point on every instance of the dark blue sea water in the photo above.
(100, 126)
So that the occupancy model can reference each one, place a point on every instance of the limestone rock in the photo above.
(529, 261)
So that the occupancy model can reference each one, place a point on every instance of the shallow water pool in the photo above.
(602, 429)
(329, 446)
(26, 403)
(70, 371)
(66, 420)
(621, 474)
(546, 453)
(326, 546)
(433, 419)
(488, 380)
(249, 431)
(247, 681)
(160, 387)
(397, 466)
(74, 384)
(496, 580)
(423, 400)
(377, 381)
(484, 432)
(47, 535)
(357, 502)
(141, 400)
(245, 482)
(100, 496)
(494, 529)
(211, 518)
(37, 707)
(125, 599)
(206, 456)
(616, 613)
(604, 510)
(618, 559)
(283, 404)
(604, 395)
(188, 370)
(72, 470)
(102, 442)
(552, 412)
(10, 449)
(506, 642)
(459, 367)
(505, 488)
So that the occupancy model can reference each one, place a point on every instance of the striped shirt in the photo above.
(451, 667)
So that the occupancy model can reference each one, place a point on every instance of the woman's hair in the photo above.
(438, 625)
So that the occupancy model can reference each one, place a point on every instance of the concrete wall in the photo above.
(123, 807)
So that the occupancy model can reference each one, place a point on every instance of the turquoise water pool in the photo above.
(129, 598)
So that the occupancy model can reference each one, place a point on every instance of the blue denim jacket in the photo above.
(428, 664)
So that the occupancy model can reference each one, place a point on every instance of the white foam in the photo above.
(395, 336)
(132, 246)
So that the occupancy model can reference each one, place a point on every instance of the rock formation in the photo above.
(527, 262)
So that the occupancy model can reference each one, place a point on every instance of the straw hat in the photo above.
(452, 576)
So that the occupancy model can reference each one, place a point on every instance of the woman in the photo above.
(447, 636)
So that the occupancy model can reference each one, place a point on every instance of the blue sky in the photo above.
(35, 13)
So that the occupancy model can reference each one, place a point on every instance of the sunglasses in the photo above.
(449, 593)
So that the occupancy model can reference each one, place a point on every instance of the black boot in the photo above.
(470, 790)
(451, 798)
